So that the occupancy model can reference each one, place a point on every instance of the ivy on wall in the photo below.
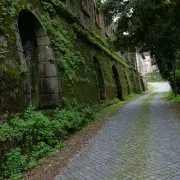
(68, 58)
(11, 89)
(73, 45)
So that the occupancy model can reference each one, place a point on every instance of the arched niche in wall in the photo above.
(101, 84)
(40, 73)
(117, 83)
(127, 83)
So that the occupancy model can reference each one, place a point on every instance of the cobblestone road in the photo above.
(142, 141)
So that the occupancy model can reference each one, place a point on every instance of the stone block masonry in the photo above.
(52, 47)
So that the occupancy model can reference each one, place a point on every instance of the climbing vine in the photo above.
(68, 57)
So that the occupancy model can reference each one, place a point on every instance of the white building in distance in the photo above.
(144, 64)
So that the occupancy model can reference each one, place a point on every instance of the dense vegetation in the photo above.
(35, 135)
(26, 139)
(149, 25)
(171, 97)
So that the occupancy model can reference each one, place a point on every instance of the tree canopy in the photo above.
(148, 25)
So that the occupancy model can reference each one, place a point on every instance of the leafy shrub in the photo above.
(39, 134)
(111, 102)
(40, 150)
(11, 94)
(15, 163)
(170, 96)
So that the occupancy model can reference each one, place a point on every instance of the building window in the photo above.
(108, 30)
(85, 6)
(98, 18)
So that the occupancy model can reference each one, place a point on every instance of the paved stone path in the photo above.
(141, 141)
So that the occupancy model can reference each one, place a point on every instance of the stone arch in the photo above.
(40, 73)
(117, 83)
(101, 84)
(127, 83)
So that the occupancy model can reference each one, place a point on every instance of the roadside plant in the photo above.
(37, 135)
(15, 162)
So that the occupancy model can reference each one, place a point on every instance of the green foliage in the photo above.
(170, 96)
(40, 150)
(16, 177)
(150, 26)
(15, 162)
(111, 102)
(40, 134)
(85, 35)
(10, 93)
(60, 8)
(68, 58)
(75, 116)
(110, 44)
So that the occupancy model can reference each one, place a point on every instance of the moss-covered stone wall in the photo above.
(75, 40)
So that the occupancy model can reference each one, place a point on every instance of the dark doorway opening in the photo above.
(26, 24)
(100, 79)
(127, 83)
(40, 75)
(118, 83)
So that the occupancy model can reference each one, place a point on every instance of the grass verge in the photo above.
(171, 97)
(115, 106)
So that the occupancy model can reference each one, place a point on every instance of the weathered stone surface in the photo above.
(18, 42)
(27, 84)
(45, 53)
(47, 70)
(15, 25)
(39, 22)
(24, 62)
(40, 32)
(43, 41)
(68, 45)
(28, 99)
(49, 85)
(3, 41)
(49, 100)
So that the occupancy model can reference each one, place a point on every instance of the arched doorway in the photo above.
(100, 79)
(41, 80)
(117, 83)
(29, 44)
(127, 83)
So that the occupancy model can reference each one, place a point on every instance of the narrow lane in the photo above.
(141, 141)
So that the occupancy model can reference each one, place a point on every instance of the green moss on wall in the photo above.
(74, 48)
(11, 89)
